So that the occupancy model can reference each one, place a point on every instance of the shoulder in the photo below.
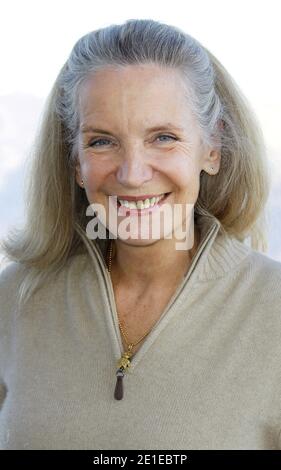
(263, 267)
(258, 269)
(236, 266)
(10, 276)
(230, 256)
(256, 282)
(14, 275)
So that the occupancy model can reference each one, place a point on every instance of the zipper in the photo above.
(127, 360)
(107, 284)
(124, 361)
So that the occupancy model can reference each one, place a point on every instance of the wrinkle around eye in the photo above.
(90, 144)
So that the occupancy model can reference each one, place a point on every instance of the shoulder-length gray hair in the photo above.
(55, 203)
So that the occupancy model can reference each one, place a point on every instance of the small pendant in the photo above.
(123, 363)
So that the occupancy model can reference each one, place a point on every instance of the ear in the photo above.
(212, 157)
(78, 177)
(212, 162)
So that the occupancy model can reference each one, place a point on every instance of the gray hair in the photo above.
(56, 205)
(142, 42)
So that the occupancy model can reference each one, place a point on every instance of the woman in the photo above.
(134, 341)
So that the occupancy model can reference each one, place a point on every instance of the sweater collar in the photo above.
(216, 255)
(219, 251)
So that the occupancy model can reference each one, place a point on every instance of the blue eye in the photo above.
(92, 144)
(98, 140)
(166, 135)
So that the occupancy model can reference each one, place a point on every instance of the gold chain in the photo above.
(109, 264)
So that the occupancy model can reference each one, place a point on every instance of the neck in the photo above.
(154, 265)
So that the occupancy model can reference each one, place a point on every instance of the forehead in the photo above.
(133, 91)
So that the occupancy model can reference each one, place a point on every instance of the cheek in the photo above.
(94, 173)
(184, 172)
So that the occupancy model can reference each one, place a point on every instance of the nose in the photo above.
(134, 170)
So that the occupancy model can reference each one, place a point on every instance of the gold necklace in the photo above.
(125, 360)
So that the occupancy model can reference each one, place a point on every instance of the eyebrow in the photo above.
(161, 127)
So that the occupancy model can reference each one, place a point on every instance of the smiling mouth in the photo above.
(141, 207)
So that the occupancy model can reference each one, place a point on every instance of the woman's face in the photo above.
(138, 138)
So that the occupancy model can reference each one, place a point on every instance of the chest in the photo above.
(138, 314)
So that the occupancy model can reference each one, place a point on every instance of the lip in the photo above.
(122, 210)
(140, 197)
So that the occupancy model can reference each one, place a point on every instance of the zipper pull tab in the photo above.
(118, 393)
(123, 363)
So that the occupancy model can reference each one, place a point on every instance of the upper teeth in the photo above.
(141, 204)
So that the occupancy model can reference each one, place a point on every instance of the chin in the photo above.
(142, 242)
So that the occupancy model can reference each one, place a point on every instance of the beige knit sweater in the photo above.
(208, 376)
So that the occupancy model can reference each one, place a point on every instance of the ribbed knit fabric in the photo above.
(208, 376)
